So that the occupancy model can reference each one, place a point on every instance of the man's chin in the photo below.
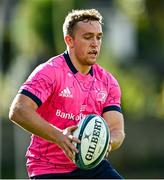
(92, 60)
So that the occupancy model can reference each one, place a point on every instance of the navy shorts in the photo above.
(103, 171)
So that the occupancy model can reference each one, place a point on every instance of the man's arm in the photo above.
(23, 113)
(115, 122)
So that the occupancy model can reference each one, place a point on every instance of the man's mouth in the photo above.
(93, 52)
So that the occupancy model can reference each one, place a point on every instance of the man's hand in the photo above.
(115, 122)
(65, 142)
(23, 112)
(109, 149)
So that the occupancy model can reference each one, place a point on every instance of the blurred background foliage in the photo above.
(132, 50)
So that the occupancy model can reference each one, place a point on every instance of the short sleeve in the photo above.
(113, 101)
(40, 84)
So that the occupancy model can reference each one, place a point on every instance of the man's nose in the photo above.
(94, 42)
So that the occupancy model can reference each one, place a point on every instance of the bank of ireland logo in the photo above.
(70, 116)
(101, 96)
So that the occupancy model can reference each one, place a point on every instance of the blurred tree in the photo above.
(60, 10)
(143, 74)
(151, 36)
(33, 31)
(6, 10)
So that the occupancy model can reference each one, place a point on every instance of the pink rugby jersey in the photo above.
(64, 96)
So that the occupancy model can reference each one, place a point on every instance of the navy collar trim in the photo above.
(71, 66)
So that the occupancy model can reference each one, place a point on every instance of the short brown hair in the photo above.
(80, 15)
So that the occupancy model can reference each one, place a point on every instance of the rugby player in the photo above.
(59, 93)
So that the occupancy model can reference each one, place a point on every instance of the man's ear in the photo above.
(69, 41)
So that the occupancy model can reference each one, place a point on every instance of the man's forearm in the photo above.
(117, 138)
(31, 121)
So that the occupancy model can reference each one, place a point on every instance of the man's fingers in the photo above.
(70, 137)
(73, 138)
(110, 145)
(69, 147)
(72, 147)
(68, 152)
(72, 128)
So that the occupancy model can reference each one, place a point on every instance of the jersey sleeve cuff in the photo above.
(32, 96)
(112, 108)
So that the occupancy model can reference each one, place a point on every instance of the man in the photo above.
(62, 91)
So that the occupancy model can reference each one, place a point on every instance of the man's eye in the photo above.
(87, 37)
(99, 37)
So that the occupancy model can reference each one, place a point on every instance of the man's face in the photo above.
(87, 42)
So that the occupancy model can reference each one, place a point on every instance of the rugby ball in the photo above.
(94, 134)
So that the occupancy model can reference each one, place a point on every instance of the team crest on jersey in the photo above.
(101, 96)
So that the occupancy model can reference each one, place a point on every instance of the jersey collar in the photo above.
(71, 66)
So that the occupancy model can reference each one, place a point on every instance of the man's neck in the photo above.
(84, 69)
